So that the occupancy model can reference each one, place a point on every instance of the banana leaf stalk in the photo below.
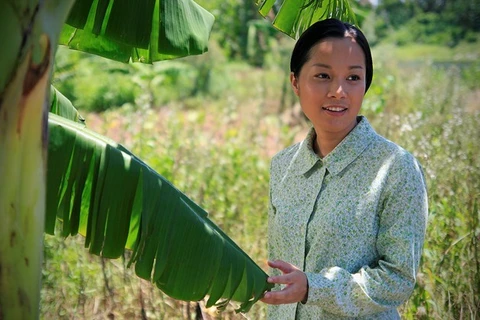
(102, 191)
(26, 60)
(22, 199)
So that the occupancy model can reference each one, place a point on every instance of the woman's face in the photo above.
(331, 85)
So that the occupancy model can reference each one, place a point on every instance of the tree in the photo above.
(432, 5)
(395, 12)
(235, 17)
(86, 168)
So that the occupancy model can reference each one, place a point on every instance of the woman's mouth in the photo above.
(335, 110)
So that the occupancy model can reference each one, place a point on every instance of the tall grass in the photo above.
(442, 129)
(218, 151)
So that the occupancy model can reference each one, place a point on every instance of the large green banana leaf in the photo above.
(292, 17)
(138, 30)
(102, 191)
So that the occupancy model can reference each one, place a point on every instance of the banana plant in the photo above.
(32, 30)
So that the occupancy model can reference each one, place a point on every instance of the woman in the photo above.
(348, 208)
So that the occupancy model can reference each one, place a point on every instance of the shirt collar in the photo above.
(344, 153)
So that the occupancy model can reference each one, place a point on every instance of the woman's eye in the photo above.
(353, 77)
(322, 76)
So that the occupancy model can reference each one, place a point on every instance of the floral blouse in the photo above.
(354, 221)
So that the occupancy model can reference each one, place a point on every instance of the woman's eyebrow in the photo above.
(323, 65)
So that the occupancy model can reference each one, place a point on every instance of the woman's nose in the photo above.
(337, 90)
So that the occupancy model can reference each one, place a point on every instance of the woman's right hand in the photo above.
(296, 282)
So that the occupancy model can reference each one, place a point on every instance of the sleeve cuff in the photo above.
(305, 299)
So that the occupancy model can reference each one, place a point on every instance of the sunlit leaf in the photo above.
(60, 105)
(102, 191)
(295, 16)
(131, 30)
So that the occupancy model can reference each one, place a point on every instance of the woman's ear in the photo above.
(294, 82)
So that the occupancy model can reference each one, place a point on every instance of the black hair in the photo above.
(329, 28)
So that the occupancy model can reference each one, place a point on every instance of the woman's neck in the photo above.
(326, 141)
(324, 144)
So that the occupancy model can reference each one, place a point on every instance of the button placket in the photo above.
(318, 177)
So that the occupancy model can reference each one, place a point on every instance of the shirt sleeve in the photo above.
(272, 250)
(390, 281)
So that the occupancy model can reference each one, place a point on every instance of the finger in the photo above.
(277, 279)
(283, 266)
(276, 297)
(290, 294)
(283, 279)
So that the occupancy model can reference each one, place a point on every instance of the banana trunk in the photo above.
(29, 37)
(22, 197)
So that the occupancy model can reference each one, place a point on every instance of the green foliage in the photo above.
(464, 13)
(428, 22)
(93, 83)
(90, 82)
(260, 41)
(428, 28)
(60, 105)
(108, 90)
(145, 31)
(394, 13)
(77, 285)
(433, 112)
(230, 30)
(471, 74)
(295, 16)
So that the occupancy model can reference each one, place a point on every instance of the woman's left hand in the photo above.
(296, 288)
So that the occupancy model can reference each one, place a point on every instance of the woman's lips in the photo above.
(335, 110)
